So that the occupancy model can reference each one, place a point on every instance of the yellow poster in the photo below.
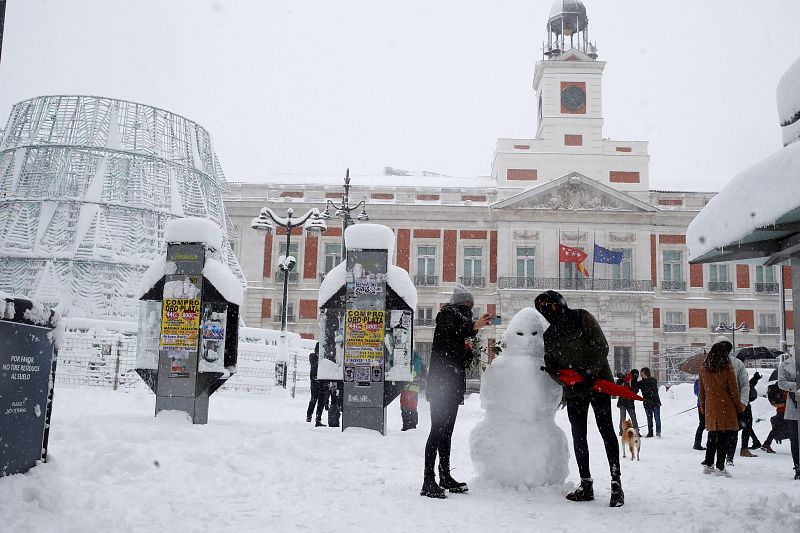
(180, 322)
(365, 327)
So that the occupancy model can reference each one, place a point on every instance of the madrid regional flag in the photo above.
(573, 255)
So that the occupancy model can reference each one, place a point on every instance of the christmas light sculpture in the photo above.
(87, 185)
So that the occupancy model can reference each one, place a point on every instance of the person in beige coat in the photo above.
(720, 403)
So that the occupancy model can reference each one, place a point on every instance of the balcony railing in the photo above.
(769, 330)
(674, 328)
(473, 281)
(293, 277)
(427, 281)
(289, 319)
(720, 286)
(766, 288)
(673, 286)
(583, 284)
(424, 322)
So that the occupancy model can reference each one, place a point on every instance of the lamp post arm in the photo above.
(290, 220)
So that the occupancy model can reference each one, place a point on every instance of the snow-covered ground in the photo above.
(258, 466)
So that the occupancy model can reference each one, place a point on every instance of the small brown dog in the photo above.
(630, 438)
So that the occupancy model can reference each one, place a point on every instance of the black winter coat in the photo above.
(649, 391)
(447, 376)
(313, 361)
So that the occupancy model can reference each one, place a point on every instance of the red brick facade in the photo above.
(695, 275)
(427, 233)
(623, 148)
(521, 174)
(403, 248)
(787, 277)
(266, 308)
(656, 318)
(310, 257)
(472, 234)
(382, 196)
(450, 252)
(621, 176)
(698, 318)
(653, 260)
(573, 140)
(742, 276)
(292, 194)
(428, 197)
(267, 255)
(746, 316)
(308, 309)
(493, 256)
(672, 239)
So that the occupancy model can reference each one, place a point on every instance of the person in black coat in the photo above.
(626, 406)
(648, 388)
(446, 384)
(319, 392)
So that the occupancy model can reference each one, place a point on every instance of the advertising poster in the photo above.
(398, 346)
(180, 322)
(365, 331)
(212, 351)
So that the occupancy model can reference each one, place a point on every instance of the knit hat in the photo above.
(461, 295)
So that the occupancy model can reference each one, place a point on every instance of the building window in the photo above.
(526, 256)
(765, 280)
(333, 256)
(293, 250)
(290, 317)
(768, 324)
(473, 266)
(622, 359)
(719, 318)
(674, 322)
(623, 270)
(718, 279)
(672, 280)
(423, 349)
(426, 265)
(425, 317)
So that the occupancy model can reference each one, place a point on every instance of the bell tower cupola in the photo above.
(568, 29)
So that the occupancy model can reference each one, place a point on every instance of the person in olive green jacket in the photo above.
(575, 341)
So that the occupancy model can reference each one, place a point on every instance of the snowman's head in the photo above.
(523, 337)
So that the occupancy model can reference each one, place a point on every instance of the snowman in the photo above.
(518, 444)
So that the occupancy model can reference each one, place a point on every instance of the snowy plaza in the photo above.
(583, 257)
(258, 466)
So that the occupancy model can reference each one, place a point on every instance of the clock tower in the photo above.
(567, 84)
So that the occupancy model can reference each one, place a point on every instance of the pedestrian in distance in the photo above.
(719, 402)
(777, 398)
(626, 406)
(701, 425)
(319, 392)
(786, 381)
(743, 382)
(648, 388)
(575, 341)
(410, 396)
(747, 421)
(446, 384)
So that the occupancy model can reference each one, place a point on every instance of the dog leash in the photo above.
(670, 416)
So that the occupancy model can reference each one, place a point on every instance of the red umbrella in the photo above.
(570, 377)
(694, 363)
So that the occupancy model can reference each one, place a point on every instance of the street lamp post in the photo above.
(311, 221)
(344, 209)
(732, 328)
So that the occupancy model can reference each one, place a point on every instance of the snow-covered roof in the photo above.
(758, 196)
(193, 229)
(370, 237)
(215, 272)
(789, 103)
(410, 180)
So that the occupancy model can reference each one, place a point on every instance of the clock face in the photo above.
(573, 98)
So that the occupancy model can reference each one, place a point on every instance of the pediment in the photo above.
(573, 55)
(574, 192)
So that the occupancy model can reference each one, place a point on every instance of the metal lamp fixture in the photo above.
(343, 210)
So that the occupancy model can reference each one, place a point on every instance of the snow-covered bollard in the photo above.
(27, 371)
(188, 320)
(518, 443)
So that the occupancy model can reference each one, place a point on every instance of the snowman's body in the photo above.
(518, 443)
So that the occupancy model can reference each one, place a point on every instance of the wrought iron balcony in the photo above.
(428, 281)
(720, 286)
(294, 277)
(289, 319)
(583, 284)
(769, 330)
(424, 322)
(473, 281)
(673, 286)
(766, 288)
(674, 328)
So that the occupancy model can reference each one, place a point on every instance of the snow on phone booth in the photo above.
(188, 319)
(366, 316)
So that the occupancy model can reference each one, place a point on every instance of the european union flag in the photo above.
(604, 255)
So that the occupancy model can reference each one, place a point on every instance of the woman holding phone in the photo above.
(446, 384)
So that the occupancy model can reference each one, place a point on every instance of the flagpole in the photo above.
(594, 243)
(558, 258)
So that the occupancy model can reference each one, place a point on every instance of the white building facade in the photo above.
(500, 234)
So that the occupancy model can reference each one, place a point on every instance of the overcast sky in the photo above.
(317, 86)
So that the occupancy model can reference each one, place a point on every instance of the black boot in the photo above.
(584, 493)
(430, 488)
(446, 481)
(319, 423)
(406, 414)
(414, 419)
(617, 496)
(797, 472)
